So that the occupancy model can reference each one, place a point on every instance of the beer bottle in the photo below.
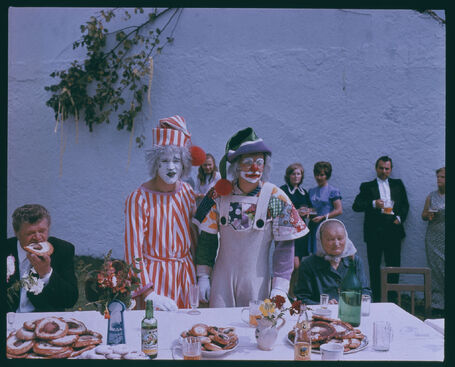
(149, 331)
(350, 297)
(302, 339)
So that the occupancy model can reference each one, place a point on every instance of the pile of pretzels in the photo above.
(327, 330)
(51, 338)
(213, 338)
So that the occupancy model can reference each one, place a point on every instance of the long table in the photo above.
(413, 339)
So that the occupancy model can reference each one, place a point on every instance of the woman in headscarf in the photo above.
(323, 271)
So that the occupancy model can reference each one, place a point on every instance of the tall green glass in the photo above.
(350, 297)
(149, 332)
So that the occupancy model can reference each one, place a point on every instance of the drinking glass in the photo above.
(254, 313)
(382, 335)
(324, 300)
(10, 318)
(191, 348)
(366, 301)
(194, 299)
(388, 206)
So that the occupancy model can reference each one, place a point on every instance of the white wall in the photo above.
(345, 86)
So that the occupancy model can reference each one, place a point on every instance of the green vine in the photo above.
(111, 77)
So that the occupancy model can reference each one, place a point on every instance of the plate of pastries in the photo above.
(51, 338)
(327, 330)
(215, 340)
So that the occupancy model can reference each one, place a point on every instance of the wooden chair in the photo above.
(425, 288)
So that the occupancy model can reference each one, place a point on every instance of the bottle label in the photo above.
(149, 341)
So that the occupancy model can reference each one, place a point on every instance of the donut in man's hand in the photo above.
(40, 248)
(51, 328)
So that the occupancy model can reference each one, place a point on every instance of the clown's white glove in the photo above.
(280, 287)
(203, 281)
(162, 302)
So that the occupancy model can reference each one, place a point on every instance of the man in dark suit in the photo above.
(54, 274)
(383, 230)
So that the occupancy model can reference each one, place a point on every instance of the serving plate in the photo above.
(362, 346)
(213, 353)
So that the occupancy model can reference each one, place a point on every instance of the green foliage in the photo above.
(110, 78)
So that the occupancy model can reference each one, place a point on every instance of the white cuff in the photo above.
(280, 283)
(374, 203)
(46, 278)
(203, 270)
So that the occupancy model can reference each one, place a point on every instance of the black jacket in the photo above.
(375, 221)
(61, 292)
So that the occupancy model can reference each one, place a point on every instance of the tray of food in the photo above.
(215, 341)
(51, 338)
(327, 330)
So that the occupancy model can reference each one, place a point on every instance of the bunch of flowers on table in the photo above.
(114, 281)
(272, 309)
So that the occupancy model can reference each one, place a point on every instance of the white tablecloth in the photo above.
(413, 339)
(437, 324)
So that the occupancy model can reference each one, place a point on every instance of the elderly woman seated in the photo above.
(323, 271)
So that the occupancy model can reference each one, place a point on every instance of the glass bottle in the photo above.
(302, 339)
(149, 331)
(349, 303)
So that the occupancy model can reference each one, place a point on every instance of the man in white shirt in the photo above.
(383, 227)
(54, 285)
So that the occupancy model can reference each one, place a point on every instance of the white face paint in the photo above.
(170, 167)
(251, 176)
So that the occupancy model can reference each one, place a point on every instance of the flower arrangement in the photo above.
(31, 282)
(272, 310)
(114, 281)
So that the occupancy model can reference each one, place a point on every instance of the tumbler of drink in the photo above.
(254, 313)
(388, 206)
(302, 345)
(366, 301)
(324, 300)
(194, 299)
(191, 348)
(382, 335)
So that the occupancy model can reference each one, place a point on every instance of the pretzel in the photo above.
(30, 325)
(24, 334)
(40, 248)
(64, 341)
(78, 352)
(18, 356)
(16, 346)
(199, 330)
(51, 328)
(221, 339)
(47, 349)
(85, 340)
(75, 327)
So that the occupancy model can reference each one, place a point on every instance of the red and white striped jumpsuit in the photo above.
(157, 230)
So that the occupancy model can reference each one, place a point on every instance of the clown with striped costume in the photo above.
(159, 237)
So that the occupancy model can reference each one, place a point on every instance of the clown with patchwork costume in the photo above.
(248, 214)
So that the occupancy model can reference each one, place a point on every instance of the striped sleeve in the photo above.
(134, 237)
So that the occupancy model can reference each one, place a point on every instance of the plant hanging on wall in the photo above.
(111, 77)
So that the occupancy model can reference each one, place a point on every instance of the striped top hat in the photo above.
(171, 131)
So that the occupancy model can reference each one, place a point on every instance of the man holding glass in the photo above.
(386, 206)
(247, 214)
